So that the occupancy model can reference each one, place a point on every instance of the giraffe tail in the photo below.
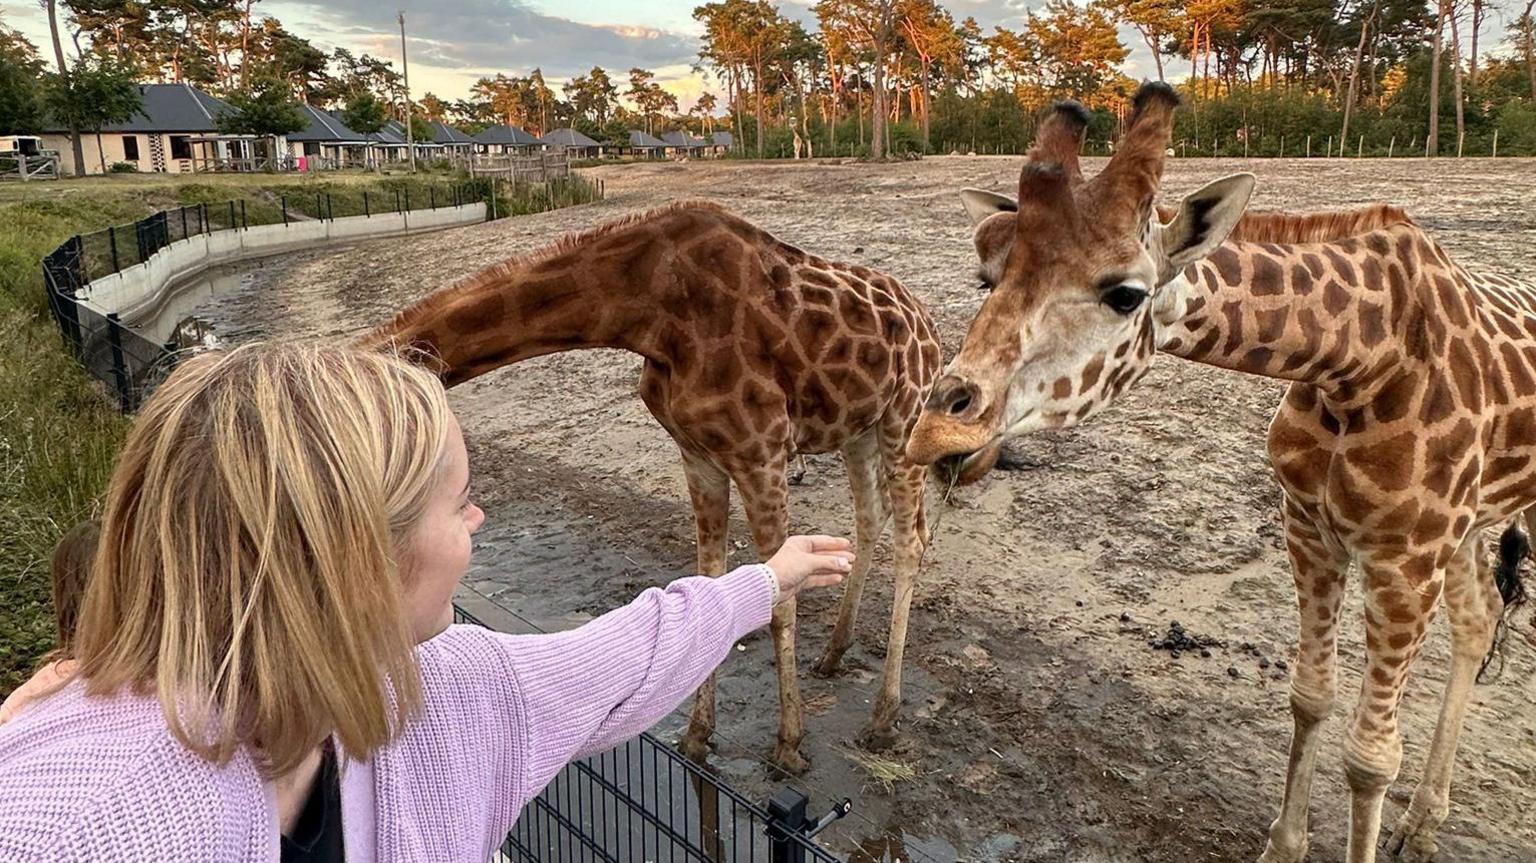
(1514, 547)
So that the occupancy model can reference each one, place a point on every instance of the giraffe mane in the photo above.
(1281, 226)
(436, 300)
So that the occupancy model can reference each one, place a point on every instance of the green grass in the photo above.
(59, 431)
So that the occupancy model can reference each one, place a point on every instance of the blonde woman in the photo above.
(265, 666)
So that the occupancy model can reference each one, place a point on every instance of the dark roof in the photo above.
(641, 140)
(722, 139)
(568, 138)
(442, 133)
(391, 134)
(169, 108)
(504, 134)
(682, 139)
(324, 128)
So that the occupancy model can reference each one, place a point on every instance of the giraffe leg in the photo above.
(1320, 573)
(1473, 604)
(1400, 599)
(710, 490)
(765, 497)
(862, 458)
(910, 536)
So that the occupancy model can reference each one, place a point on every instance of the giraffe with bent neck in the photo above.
(1409, 424)
(754, 351)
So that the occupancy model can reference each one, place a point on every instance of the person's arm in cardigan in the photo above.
(589, 688)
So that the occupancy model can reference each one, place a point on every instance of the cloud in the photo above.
(482, 36)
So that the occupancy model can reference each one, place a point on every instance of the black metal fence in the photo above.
(119, 355)
(643, 800)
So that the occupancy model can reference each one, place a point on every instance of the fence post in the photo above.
(184, 233)
(1391, 145)
(319, 208)
(231, 213)
(1461, 139)
(284, 200)
(245, 221)
(1360, 151)
(1495, 143)
(407, 198)
(786, 815)
(432, 196)
(202, 213)
(330, 209)
(366, 213)
(119, 370)
(112, 240)
(1309, 146)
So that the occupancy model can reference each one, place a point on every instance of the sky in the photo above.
(454, 42)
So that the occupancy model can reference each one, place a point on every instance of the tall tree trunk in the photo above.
(1528, 26)
(1157, 56)
(1477, 26)
(1354, 74)
(757, 84)
(76, 146)
(245, 46)
(1194, 57)
(1432, 143)
(1461, 120)
(101, 152)
(926, 63)
(877, 106)
(858, 105)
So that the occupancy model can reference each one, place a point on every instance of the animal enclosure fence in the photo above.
(118, 354)
(643, 800)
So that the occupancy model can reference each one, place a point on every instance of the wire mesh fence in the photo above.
(117, 353)
(644, 800)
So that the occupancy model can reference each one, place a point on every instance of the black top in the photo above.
(316, 836)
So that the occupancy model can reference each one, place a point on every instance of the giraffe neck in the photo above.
(521, 309)
(1328, 313)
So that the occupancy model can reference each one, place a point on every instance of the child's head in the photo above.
(70, 567)
(278, 534)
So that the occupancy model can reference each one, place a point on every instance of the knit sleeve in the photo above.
(591, 687)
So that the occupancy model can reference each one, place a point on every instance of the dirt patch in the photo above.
(1038, 724)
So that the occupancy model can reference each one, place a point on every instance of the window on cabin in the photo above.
(131, 148)
(180, 147)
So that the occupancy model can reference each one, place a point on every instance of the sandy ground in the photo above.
(1039, 723)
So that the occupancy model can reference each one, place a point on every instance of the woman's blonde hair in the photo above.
(247, 571)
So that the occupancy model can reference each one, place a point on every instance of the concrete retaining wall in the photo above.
(140, 288)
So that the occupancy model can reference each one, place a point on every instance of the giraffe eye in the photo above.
(985, 287)
(1124, 299)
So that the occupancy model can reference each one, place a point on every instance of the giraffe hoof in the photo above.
(1413, 840)
(877, 738)
(829, 665)
(1273, 854)
(789, 760)
(695, 749)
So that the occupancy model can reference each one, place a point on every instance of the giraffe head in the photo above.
(1074, 267)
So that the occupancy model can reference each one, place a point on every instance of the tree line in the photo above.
(877, 77)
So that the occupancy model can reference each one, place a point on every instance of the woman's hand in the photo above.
(810, 561)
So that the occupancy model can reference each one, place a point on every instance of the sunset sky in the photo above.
(454, 42)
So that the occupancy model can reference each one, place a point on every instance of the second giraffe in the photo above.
(754, 351)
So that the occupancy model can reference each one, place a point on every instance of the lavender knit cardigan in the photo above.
(103, 778)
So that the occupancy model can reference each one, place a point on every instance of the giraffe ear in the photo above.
(979, 204)
(1205, 218)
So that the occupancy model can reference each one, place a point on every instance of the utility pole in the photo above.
(405, 67)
